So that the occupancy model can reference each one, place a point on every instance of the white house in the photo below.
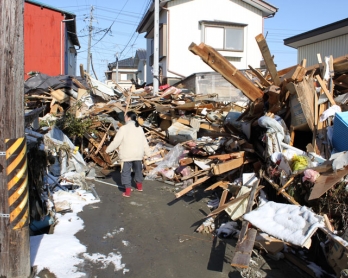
(230, 26)
(331, 39)
(123, 71)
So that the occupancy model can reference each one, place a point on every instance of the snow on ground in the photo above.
(61, 251)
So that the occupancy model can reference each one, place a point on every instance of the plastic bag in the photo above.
(300, 162)
(171, 160)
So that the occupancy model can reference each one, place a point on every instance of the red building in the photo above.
(49, 40)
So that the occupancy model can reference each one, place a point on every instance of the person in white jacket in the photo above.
(132, 144)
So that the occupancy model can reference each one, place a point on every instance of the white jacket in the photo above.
(131, 141)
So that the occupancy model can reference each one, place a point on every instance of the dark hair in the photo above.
(133, 117)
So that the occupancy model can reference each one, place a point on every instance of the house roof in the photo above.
(124, 63)
(147, 21)
(70, 25)
(141, 54)
(329, 31)
(129, 63)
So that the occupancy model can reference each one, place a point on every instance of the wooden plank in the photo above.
(247, 237)
(244, 250)
(305, 91)
(80, 94)
(102, 141)
(60, 96)
(326, 91)
(195, 174)
(291, 75)
(223, 197)
(259, 75)
(227, 166)
(78, 83)
(271, 245)
(236, 200)
(286, 185)
(325, 182)
(266, 54)
(277, 187)
(340, 65)
(206, 126)
(220, 64)
(190, 187)
(222, 184)
(227, 156)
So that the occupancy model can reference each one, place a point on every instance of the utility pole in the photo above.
(14, 208)
(90, 29)
(117, 67)
(156, 48)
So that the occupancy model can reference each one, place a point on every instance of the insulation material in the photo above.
(291, 223)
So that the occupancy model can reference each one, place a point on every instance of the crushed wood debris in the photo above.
(272, 154)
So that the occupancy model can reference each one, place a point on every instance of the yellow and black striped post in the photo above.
(17, 180)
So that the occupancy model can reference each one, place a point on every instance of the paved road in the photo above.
(155, 235)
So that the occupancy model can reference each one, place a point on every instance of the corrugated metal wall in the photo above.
(336, 47)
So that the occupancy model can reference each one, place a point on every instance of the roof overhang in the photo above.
(267, 9)
(146, 24)
(326, 32)
(148, 20)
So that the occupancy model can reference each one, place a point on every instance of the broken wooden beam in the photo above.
(190, 187)
(277, 187)
(266, 54)
(246, 239)
(228, 166)
(220, 64)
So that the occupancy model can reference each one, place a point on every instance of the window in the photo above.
(224, 35)
(127, 76)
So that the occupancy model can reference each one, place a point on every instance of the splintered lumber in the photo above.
(306, 93)
(222, 184)
(326, 91)
(259, 75)
(230, 203)
(102, 141)
(206, 126)
(60, 96)
(228, 166)
(246, 238)
(196, 173)
(227, 156)
(277, 187)
(266, 54)
(270, 244)
(244, 250)
(340, 65)
(220, 64)
(190, 187)
(286, 185)
(325, 182)
(223, 197)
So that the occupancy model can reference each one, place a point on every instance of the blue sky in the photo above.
(293, 17)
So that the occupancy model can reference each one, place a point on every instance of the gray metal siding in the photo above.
(336, 47)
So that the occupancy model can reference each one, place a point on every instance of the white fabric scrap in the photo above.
(291, 223)
(330, 112)
(340, 160)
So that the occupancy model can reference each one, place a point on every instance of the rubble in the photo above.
(279, 141)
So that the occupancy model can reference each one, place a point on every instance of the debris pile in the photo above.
(269, 146)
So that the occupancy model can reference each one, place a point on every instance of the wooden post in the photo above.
(14, 208)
